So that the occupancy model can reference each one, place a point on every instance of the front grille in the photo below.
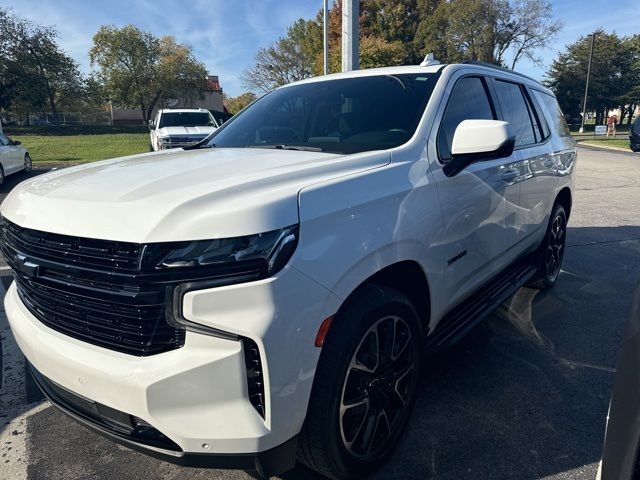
(98, 291)
(176, 142)
(90, 290)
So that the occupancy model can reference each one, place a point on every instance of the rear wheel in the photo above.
(28, 164)
(365, 385)
(550, 254)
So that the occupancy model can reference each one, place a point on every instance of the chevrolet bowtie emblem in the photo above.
(25, 266)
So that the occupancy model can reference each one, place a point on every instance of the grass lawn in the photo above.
(74, 149)
(618, 142)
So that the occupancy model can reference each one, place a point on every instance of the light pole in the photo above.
(350, 35)
(586, 88)
(325, 23)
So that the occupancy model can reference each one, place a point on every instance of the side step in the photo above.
(466, 315)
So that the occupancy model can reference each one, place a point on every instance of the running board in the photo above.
(466, 315)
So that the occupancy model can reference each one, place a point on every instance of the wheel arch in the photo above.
(565, 199)
(406, 277)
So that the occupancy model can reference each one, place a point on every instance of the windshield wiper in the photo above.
(204, 143)
(288, 147)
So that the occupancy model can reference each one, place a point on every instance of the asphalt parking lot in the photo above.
(523, 396)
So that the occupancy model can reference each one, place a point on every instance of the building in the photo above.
(211, 99)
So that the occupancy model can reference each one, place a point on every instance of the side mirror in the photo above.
(17, 142)
(477, 140)
(152, 125)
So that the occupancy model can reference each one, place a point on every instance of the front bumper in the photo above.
(197, 395)
(110, 424)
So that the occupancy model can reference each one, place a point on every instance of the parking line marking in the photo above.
(15, 409)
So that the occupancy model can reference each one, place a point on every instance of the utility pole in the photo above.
(350, 35)
(586, 88)
(325, 23)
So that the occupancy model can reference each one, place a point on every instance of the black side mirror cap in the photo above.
(460, 162)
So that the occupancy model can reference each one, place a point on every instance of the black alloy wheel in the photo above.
(377, 386)
(550, 255)
(365, 384)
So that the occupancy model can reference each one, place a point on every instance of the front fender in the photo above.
(353, 227)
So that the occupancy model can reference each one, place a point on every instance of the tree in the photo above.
(139, 70)
(501, 32)
(289, 59)
(299, 54)
(235, 104)
(34, 72)
(630, 72)
(400, 32)
(608, 86)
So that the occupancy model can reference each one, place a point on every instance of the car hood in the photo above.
(175, 131)
(178, 195)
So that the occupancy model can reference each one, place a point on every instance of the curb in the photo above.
(604, 147)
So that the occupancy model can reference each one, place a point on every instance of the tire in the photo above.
(358, 408)
(634, 147)
(550, 254)
(28, 164)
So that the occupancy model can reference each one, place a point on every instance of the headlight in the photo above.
(267, 252)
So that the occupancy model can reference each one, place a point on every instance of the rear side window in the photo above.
(468, 101)
(558, 122)
(516, 111)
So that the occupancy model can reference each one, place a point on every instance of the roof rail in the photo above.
(502, 69)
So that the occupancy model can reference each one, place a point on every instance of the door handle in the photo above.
(509, 175)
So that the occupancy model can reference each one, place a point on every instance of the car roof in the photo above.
(472, 66)
(184, 110)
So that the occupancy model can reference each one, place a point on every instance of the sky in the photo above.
(226, 34)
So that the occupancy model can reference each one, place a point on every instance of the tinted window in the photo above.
(468, 101)
(541, 121)
(185, 119)
(516, 112)
(539, 124)
(558, 122)
(339, 116)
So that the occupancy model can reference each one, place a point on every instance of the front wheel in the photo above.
(365, 385)
(28, 164)
(550, 254)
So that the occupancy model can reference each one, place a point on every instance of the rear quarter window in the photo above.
(558, 122)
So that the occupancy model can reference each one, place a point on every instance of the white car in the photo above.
(13, 157)
(270, 297)
(180, 127)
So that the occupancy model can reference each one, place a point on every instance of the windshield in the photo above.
(185, 119)
(337, 116)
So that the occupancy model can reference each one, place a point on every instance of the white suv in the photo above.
(180, 128)
(270, 295)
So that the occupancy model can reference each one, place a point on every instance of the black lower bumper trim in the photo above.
(268, 463)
